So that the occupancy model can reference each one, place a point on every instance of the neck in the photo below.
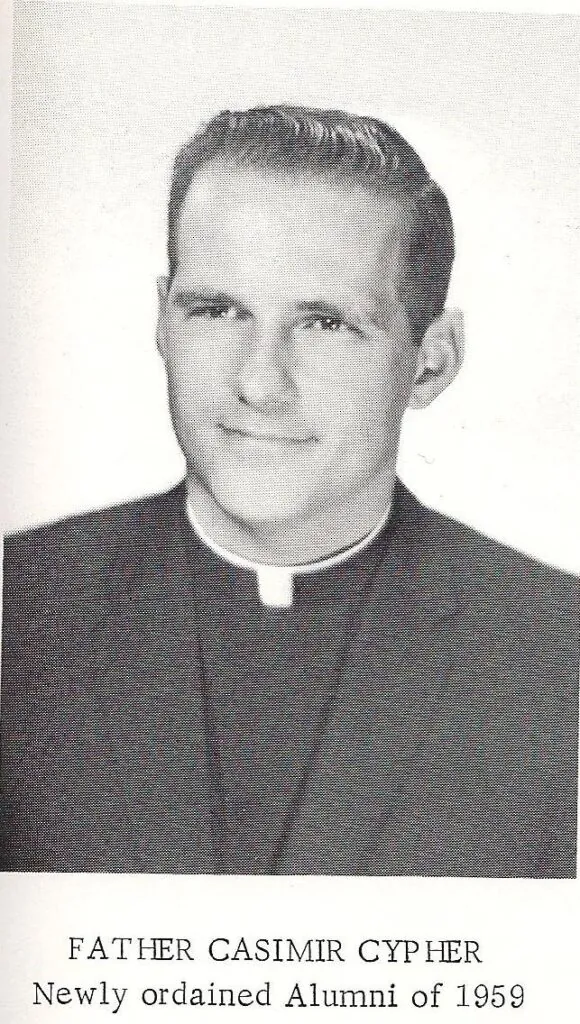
(294, 541)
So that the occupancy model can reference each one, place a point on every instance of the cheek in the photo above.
(196, 373)
(359, 395)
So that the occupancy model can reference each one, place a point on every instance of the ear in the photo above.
(161, 336)
(440, 358)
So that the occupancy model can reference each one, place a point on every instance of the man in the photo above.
(286, 664)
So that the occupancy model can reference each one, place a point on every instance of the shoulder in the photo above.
(488, 574)
(83, 552)
(103, 525)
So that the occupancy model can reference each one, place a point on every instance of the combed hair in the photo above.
(342, 147)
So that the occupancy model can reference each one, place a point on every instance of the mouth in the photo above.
(266, 439)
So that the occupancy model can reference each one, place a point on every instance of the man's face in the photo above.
(288, 354)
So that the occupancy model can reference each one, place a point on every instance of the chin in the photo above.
(254, 512)
(248, 503)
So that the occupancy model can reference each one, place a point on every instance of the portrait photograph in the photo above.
(290, 502)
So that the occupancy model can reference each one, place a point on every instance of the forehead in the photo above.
(285, 229)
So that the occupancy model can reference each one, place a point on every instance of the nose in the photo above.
(264, 379)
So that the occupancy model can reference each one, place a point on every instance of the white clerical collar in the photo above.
(276, 582)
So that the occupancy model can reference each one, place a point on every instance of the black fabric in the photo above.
(450, 747)
(271, 676)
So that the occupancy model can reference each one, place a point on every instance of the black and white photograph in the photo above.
(290, 579)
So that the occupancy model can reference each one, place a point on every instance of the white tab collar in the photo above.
(276, 582)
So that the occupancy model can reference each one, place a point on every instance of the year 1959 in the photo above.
(497, 996)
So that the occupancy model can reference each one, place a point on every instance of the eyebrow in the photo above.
(187, 296)
(319, 306)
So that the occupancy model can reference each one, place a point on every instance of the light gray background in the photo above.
(102, 97)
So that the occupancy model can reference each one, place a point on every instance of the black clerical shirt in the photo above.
(270, 676)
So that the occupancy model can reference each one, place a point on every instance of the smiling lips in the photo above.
(265, 438)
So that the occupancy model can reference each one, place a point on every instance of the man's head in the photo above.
(309, 259)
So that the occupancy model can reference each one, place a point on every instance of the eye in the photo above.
(334, 324)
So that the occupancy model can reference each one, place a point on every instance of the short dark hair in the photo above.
(344, 147)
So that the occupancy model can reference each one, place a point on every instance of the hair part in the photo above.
(335, 145)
